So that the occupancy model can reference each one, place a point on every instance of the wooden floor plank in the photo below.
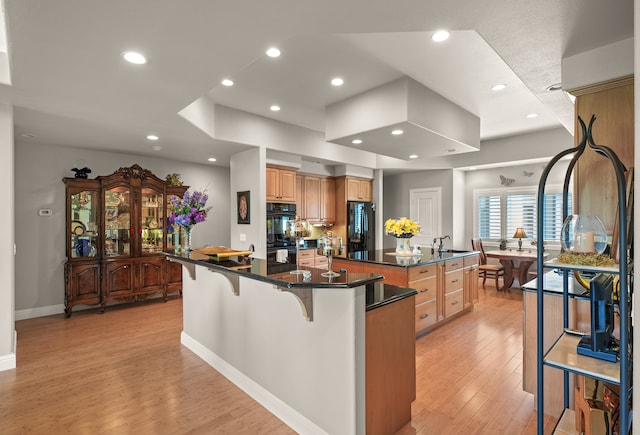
(125, 372)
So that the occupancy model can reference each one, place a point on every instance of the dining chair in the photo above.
(486, 270)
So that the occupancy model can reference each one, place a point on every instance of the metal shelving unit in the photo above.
(563, 354)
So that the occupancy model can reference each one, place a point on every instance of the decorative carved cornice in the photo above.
(135, 171)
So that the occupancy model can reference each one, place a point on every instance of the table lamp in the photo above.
(520, 234)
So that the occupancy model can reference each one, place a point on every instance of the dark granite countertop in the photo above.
(277, 274)
(380, 294)
(388, 257)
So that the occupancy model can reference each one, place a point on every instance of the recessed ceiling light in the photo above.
(532, 115)
(356, 141)
(554, 87)
(397, 132)
(440, 35)
(273, 52)
(275, 108)
(413, 156)
(337, 81)
(227, 82)
(152, 137)
(134, 57)
(498, 87)
(156, 148)
(212, 159)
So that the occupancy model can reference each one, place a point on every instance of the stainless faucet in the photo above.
(440, 243)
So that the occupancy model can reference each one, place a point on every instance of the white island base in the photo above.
(310, 374)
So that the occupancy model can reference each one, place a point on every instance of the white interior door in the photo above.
(425, 208)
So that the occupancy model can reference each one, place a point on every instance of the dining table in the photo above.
(508, 257)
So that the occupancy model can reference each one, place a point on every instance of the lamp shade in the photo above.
(520, 234)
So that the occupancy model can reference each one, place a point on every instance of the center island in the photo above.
(446, 281)
(326, 355)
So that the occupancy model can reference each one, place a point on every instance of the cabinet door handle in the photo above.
(424, 291)
(454, 303)
(454, 280)
(454, 264)
(424, 316)
(425, 271)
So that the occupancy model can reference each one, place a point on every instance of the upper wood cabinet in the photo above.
(595, 182)
(281, 185)
(312, 198)
(358, 189)
(328, 200)
(316, 201)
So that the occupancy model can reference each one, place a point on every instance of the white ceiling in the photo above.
(71, 88)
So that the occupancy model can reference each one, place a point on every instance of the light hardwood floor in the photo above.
(125, 372)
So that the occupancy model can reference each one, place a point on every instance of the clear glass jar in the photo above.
(583, 234)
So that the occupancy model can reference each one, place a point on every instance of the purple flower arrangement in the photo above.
(189, 210)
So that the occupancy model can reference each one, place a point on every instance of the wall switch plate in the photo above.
(45, 212)
(243, 237)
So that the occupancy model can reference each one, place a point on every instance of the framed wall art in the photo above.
(244, 207)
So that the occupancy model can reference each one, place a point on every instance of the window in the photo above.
(498, 212)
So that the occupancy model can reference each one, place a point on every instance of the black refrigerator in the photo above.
(361, 226)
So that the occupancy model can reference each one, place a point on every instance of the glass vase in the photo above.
(403, 246)
(187, 239)
(584, 234)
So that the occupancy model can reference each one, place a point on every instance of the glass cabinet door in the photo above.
(84, 226)
(152, 222)
(117, 222)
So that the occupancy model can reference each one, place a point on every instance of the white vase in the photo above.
(402, 246)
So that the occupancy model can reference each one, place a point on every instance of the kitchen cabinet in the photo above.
(327, 201)
(316, 201)
(441, 286)
(452, 291)
(311, 258)
(281, 185)
(358, 189)
(470, 280)
(116, 232)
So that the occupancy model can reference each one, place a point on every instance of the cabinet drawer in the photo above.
(307, 262)
(453, 280)
(421, 272)
(450, 265)
(471, 260)
(426, 289)
(425, 315)
(307, 253)
(321, 260)
(453, 303)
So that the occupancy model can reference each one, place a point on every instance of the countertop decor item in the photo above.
(173, 179)
(402, 229)
(583, 234)
(188, 211)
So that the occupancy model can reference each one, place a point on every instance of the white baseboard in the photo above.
(277, 407)
(8, 362)
(31, 313)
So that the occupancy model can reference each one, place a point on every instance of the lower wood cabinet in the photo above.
(310, 258)
(125, 280)
(390, 366)
(445, 288)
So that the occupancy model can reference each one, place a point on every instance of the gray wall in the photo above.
(39, 287)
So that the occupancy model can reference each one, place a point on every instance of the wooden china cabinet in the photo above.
(116, 229)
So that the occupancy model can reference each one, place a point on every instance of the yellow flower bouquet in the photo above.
(402, 228)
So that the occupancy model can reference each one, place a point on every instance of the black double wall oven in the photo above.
(280, 221)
